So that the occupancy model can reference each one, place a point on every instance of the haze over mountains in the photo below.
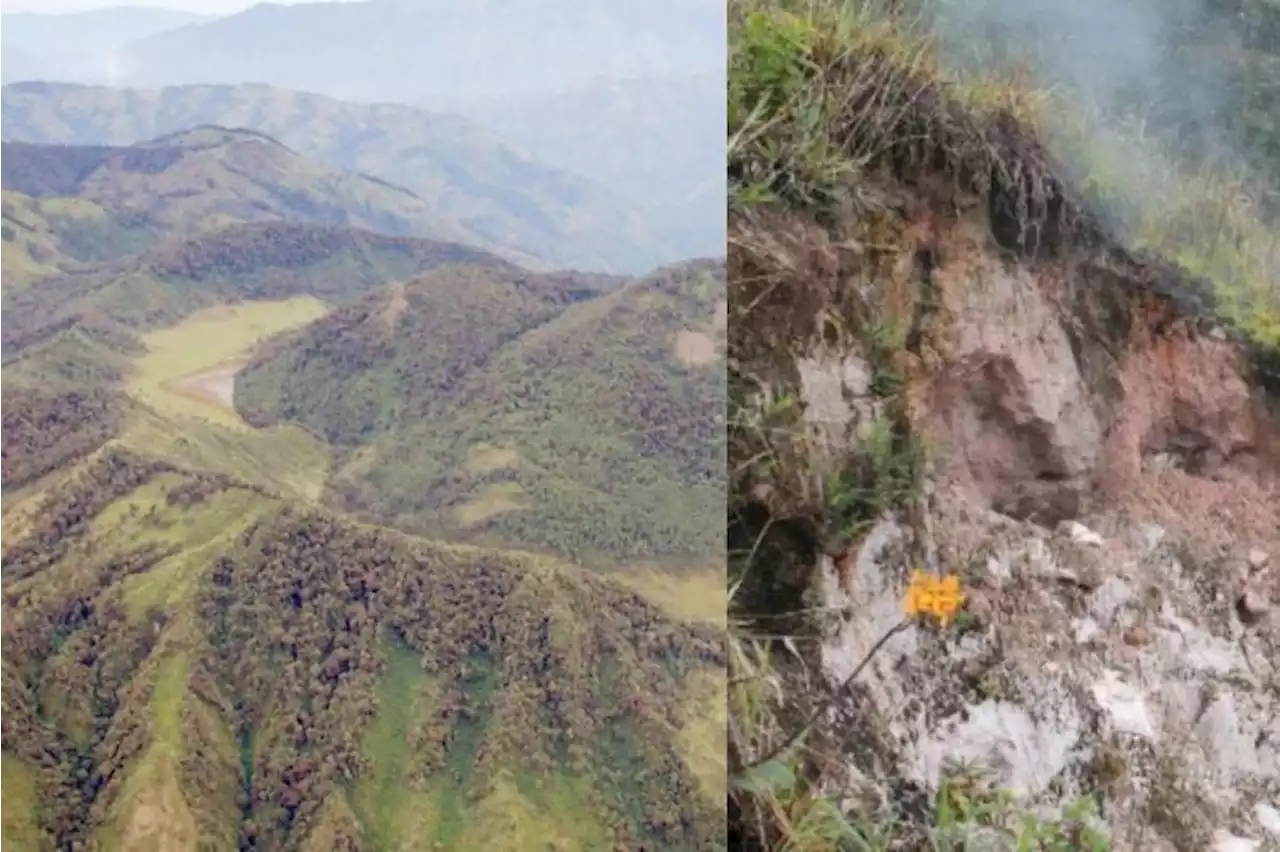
(361, 466)
(83, 46)
(624, 94)
(491, 192)
(362, 50)
(648, 138)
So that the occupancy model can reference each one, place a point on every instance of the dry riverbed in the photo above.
(215, 386)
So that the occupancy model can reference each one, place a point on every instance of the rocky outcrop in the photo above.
(941, 357)
(1103, 477)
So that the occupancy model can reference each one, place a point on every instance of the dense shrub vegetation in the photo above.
(613, 444)
(43, 431)
(283, 646)
(196, 662)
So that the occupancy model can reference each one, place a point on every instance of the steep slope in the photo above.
(653, 140)
(1010, 485)
(189, 664)
(360, 50)
(468, 176)
(583, 427)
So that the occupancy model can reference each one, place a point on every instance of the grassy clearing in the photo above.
(689, 594)
(394, 814)
(207, 531)
(196, 533)
(151, 814)
(191, 429)
(496, 499)
(21, 828)
(520, 813)
(284, 459)
(525, 813)
(484, 459)
(204, 341)
(704, 736)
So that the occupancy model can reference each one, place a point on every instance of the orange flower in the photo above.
(933, 595)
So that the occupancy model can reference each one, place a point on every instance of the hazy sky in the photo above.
(220, 7)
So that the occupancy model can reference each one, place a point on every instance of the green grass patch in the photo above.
(74, 208)
(282, 459)
(455, 812)
(21, 826)
(688, 594)
(522, 812)
(141, 517)
(205, 340)
(394, 815)
(151, 813)
(703, 738)
(493, 500)
(206, 531)
(525, 813)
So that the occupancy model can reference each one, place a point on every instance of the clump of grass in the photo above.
(822, 94)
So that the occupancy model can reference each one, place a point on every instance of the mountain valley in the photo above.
(334, 520)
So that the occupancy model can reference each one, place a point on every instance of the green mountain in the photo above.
(190, 182)
(191, 663)
(207, 644)
(259, 260)
(511, 408)
(468, 179)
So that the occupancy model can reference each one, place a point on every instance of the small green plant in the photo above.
(881, 473)
(773, 49)
(967, 804)
(780, 143)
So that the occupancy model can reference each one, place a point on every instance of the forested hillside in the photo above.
(220, 632)
(583, 426)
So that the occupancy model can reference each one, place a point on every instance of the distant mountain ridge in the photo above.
(494, 196)
(210, 176)
(79, 46)
(360, 50)
(655, 140)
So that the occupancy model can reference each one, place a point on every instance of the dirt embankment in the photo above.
(1104, 476)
